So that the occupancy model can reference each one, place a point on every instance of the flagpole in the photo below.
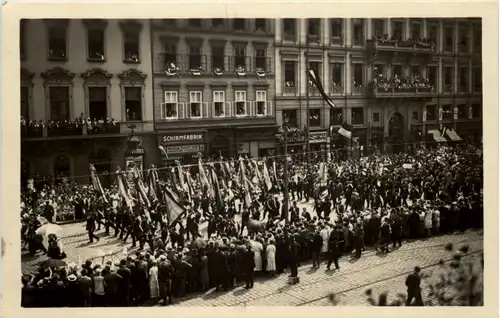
(308, 116)
(285, 173)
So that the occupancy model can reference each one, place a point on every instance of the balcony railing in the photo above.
(240, 63)
(313, 91)
(289, 36)
(74, 128)
(103, 128)
(448, 89)
(56, 130)
(402, 92)
(337, 41)
(264, 63)
(336, 90)
(393, 44)
(289, 89)
(357, 90)
(32, 131)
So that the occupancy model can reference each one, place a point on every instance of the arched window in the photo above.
(61, 168)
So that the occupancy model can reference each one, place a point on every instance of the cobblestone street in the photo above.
(373, 271)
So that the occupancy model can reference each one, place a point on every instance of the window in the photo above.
(218, 57)
(448, 77)
(291, 116)
(378, 28)
(358, 32)
(133, 103)
(463, 44)
(260, 59)
(240, 98)
(478, 81)
(98, 105)
(336, 116)
(316, 67)
(415, 31)
(447, 112)
(337, 75)
(290, 74)
(239, 57)
(313, 26)
(357, 116)
(358, 75)
(261, 101)
(430, 112)
(59, 103)
(260, 25)
(96, 44)
(462, 111)
(219, 98)
(171, 54)
(432, 75)
(463, 84)
(476, 111)
(379, 69)
(336, 28)
(376, 117)
(415, 116)
(397, 30)
(195, 110)
(397, 70)
(25, 102)
(57, 43)
(194, 57)
(218, 23)
(448, 39)
(239, 24)
(194, 23)
(170, 109)
(315, 117)
(433, 34)
(477, 40)
(416, 70)
(289, 29)
(131, 45)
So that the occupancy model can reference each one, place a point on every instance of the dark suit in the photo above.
(126, 284)
(413, 285)
(248, 263)
(333, 252)
(113, 283)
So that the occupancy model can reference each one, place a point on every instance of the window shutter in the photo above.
(180, 111)
(228, 109)
(269, 108)
(204, 110)
(249, 108)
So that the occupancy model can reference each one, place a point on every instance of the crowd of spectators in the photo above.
(420, 43)
(34, 128)
(398, 83)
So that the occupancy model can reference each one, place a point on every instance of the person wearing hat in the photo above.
(248, 265)
(126, 282)
(413, 288)
(165, 274)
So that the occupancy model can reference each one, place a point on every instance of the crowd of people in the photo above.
(394, 40)
(375, 201)
(398, 83)
(34, 128)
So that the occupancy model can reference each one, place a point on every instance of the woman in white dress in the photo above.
(257, 249)
(271, 257)
(154, 286)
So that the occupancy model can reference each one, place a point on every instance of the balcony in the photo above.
(313, 91)
(289, 89)
(393, 45)
(337, 40)
(358, 90)
(336, 90)
(102, 128)
(33, 130)
(65, 129)
(240, 64)
(263, 63)
(69, 129)
(380, 92)
(447, 89)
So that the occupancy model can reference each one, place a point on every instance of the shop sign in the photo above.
(318, 137)
(185, 149)
(181, 138)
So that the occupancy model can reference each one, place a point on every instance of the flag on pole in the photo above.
(317, 82)
(96, 183)
(204, 179)
(267, 179)
(174, 209)
(345, 130)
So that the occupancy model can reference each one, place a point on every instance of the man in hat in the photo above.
(413, 288)
(248, 263)
(165, 275)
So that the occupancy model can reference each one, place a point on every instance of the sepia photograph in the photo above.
(240, 162)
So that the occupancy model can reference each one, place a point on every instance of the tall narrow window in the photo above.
(416, 29)
(430, 112)
(171, 54)
(336, 117)
(260, 25)
(195, 57)
(95, 39)
(239, 58)
(477, 78)
(463, 79)
(289, 29)
(337, 75)
(59, 103)
(290, 76)
(219, 99)
(379, 70)
(315, 117)
(261, 101)
(397, 30)
(313, 27)
(448, 73)
(25, 102)
(291, 116)
(170, 107)
(463, 45)
(358, 75)
(433, 34)
(195, 104)
(239, 24)
(432, 75)
(57, 43)
(397, 70)
(378, 27)
(260, 59)
(358, 116)
(358, 32)
(416, 70)
(218, 58)
(98, 105)
(133, 103)
(336, 28)
(375, 117)
(240, 100)
(448, 39)
(131, 45)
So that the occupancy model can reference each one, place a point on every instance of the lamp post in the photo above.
(285, 172)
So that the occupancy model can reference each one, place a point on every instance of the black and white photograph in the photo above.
(288, 161)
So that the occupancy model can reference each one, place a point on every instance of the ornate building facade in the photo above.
(86, 87)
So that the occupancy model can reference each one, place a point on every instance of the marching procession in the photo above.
(375, 201)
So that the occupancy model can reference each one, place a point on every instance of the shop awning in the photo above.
(436, 134)
(452, 134)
